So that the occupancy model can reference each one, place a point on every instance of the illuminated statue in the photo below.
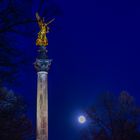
(44, 29)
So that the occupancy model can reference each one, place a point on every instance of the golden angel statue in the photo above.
(44, 29)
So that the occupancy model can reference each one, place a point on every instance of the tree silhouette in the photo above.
(11, 56)
(114, 119)
(14, 123)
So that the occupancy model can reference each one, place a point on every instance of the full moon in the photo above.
(81, 119)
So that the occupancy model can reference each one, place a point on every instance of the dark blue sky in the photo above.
(95, 47)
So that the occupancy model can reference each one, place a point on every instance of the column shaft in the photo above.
(42, 106)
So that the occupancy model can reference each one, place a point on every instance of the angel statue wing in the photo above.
(39, 20)
(37, 16)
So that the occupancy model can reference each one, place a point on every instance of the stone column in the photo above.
(42, 66)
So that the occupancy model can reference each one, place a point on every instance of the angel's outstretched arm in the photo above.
(49, 22)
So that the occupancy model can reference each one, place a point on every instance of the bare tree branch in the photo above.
(17, 24)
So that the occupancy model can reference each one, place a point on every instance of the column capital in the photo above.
(42, 62)
(42, 65)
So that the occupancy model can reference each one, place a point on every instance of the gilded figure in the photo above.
(42, 39)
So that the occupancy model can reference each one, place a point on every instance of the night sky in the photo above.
(95, 47)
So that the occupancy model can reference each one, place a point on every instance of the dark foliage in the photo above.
(11, 56)
(10, 60)
(114, 119)
(14, 123)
